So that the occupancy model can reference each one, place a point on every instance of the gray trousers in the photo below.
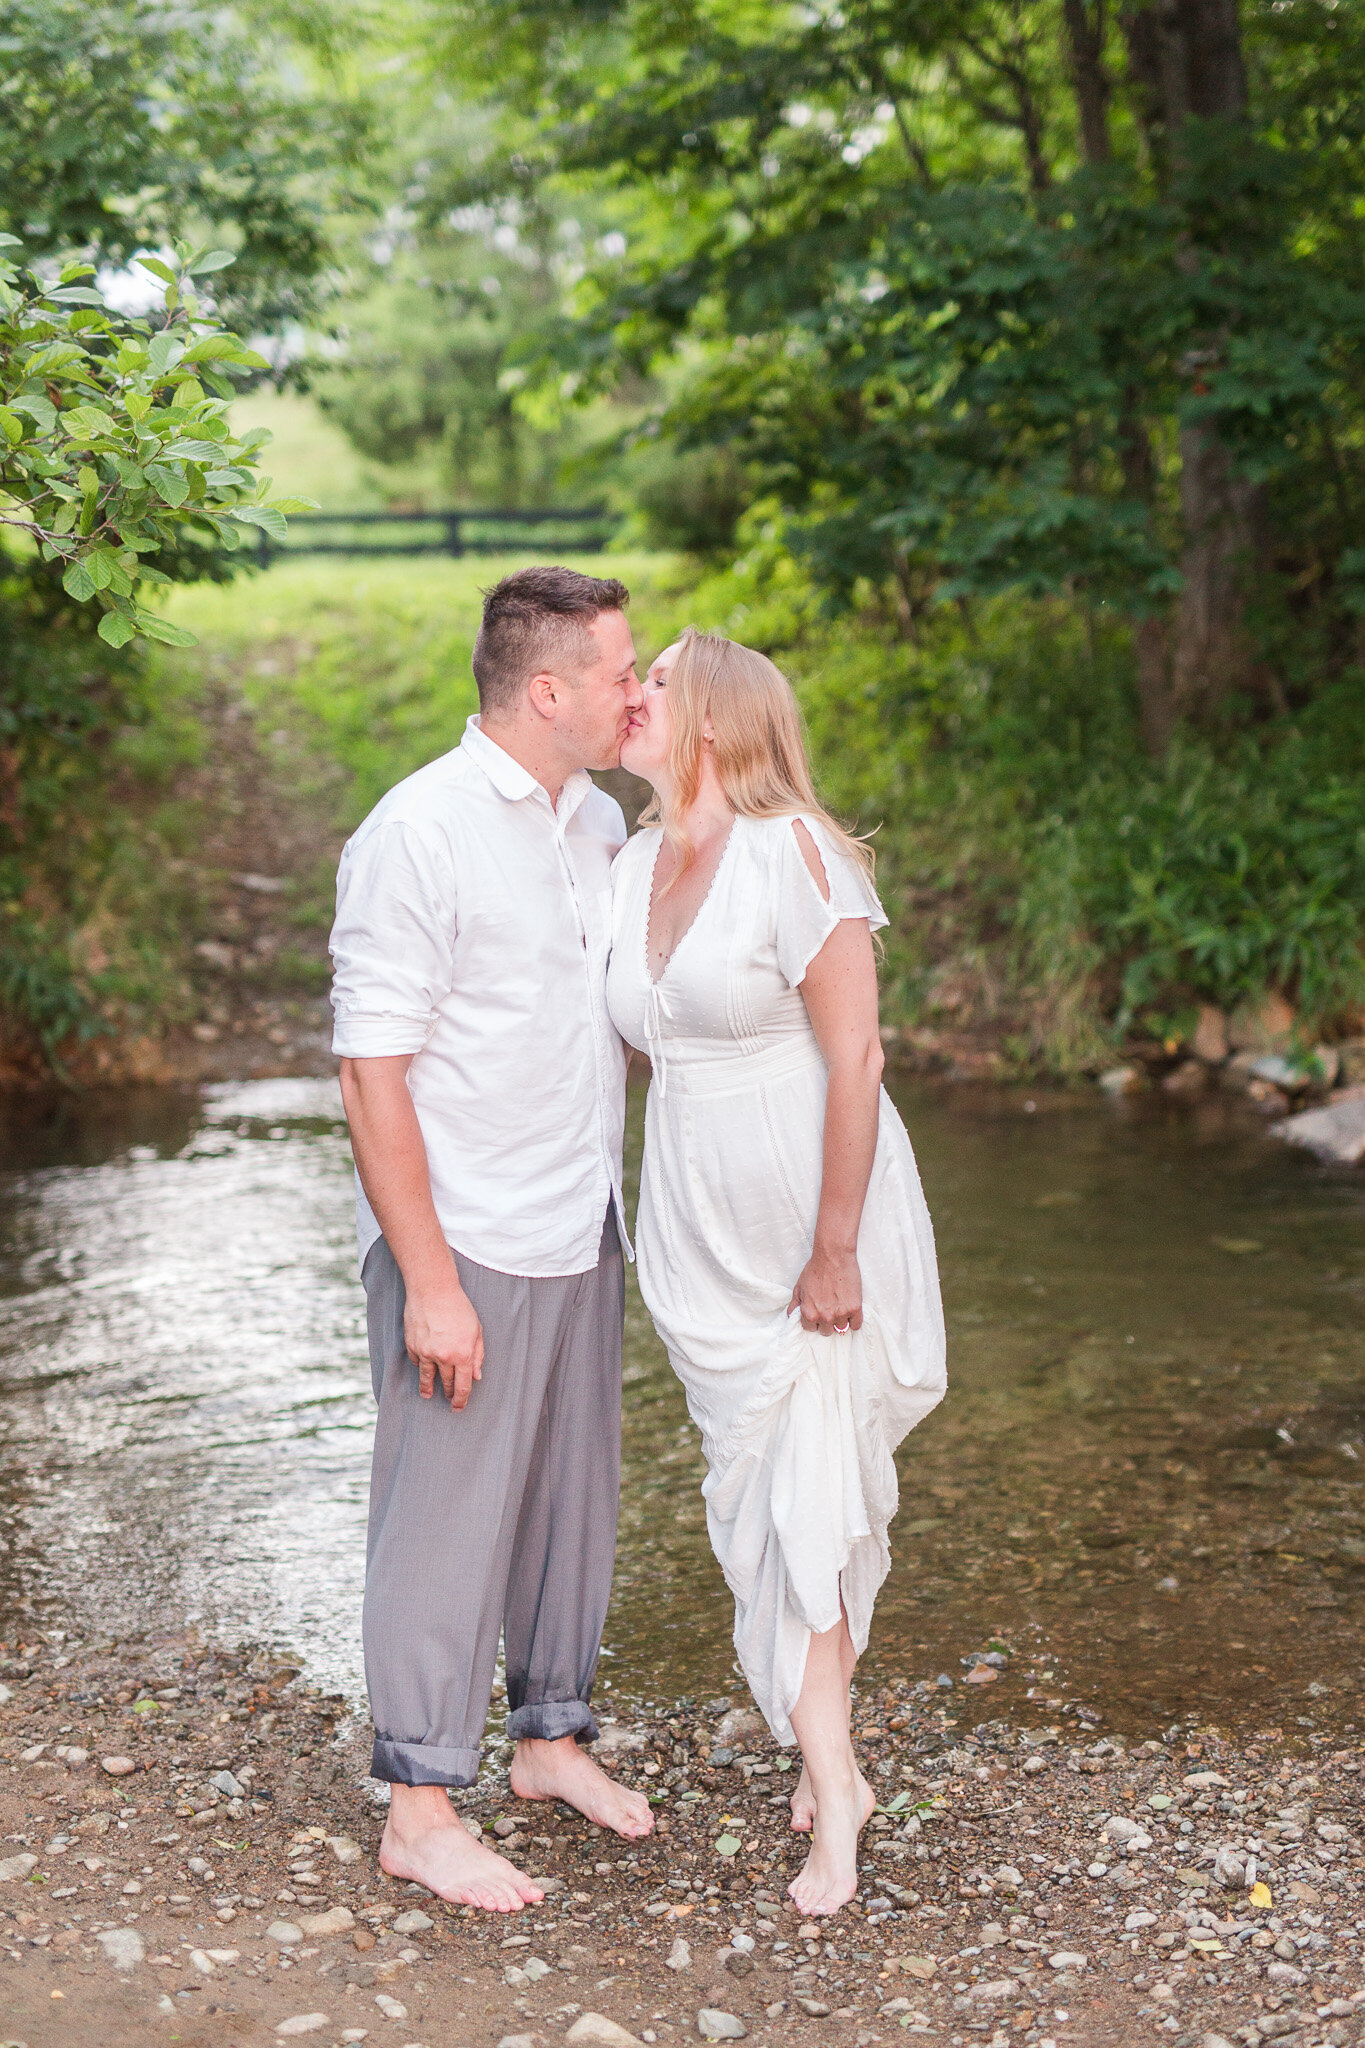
(498, 1519)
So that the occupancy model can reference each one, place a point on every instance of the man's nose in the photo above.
(635, 695)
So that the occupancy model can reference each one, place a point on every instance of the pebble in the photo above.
(284, 1933)
(392, 2008)
(123, 1947)
(1066, 1959)
(679, 1956)
(302, 2023)
(16, 1866)
(118, 1766)
(339, 1920)
(228, 1786)
(594, 2027)
(714, 2025)
(345, 1851)
(415, 1922)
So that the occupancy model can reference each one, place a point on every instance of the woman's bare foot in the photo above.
(803, 1805)
(563, 1770)
(830, 1877)
(426, 1842)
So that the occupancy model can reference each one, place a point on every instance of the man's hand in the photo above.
(829, 1293)
(444, 1336)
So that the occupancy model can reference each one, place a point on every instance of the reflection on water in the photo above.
(1145, 1480)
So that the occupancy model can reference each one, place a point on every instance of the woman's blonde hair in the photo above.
(758, 748)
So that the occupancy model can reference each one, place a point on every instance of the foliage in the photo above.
(111, 449)
(1009, 295)
(125, 124)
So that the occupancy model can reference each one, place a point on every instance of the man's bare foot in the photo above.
(830, 1877)
(803, 1805)
(562, 1770)
(426, 1842)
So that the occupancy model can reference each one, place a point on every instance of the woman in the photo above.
(777, 1178)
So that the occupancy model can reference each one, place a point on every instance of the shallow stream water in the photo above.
(1145, 1484)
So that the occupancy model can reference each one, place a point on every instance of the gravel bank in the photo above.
(187, 1847)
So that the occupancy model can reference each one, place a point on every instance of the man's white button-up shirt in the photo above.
(472, 930)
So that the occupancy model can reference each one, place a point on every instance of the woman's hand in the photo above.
(829, 1293)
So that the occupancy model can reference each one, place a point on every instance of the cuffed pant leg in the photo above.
(559, 1581)
(445, 1497)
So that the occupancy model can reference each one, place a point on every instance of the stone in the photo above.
(679, 1956)
(998, 1987)
(740, 1725)
(1210, 1040)
(1136, 1920)
(594, 2027)
(517, 2041)
(1214, 2041)
(1266, 1026)
(1116, 1081)
(392, 2008)
(415, 1922)
(1229, 1869)
(284, 1933)
(1119, 1828)
(122, 1947)
(70, 1754)
(923, 1967)
(339, 1920)
(1066, 1959)
(1283, 1973)
(16, 1866)
(1204, 1781)
(216, 954)
(814, 2007)
(1334, 1133)
(301, 2023)
(714, 2025)
(228, 1786)
(200, 1962)
(344, 1849)
(118, 1766)
(614, 1739)
(1191, 1077)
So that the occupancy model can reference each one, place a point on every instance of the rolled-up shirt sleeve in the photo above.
(392, 943)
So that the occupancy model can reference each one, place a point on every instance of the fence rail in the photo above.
(585, 528)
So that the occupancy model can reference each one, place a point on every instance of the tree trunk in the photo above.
(1185, 64)
(1085, 40)
(1152, 645)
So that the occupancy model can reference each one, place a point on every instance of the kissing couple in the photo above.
(499, 946)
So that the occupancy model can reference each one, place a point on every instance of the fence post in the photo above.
(454, 544)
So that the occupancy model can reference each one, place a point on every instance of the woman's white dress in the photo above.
(798, 1429)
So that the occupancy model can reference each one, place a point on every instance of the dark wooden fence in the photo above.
(578, 530)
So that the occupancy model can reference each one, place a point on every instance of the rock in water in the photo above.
(598, 2031)
(1336, 1132)
(123, 1947)
(714, 2025)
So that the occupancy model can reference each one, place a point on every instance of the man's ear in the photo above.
(546, 692)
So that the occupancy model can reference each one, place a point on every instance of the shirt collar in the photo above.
(513, 781)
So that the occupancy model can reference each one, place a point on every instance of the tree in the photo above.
(994, 294)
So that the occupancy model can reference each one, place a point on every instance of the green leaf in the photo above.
(10, 242)
(11, 425)
(216, 259)
(168, 483)
(97, 565)
(41, 411)
(157, 268)
(157, 628)
(78, 582)
(194, 451)
(295, 505)
(117, 630)
(264, 516)
(75, 295)
(164, 351)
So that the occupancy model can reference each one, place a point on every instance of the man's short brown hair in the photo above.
(537, 620)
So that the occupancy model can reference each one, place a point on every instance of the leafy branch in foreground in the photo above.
(112, 449)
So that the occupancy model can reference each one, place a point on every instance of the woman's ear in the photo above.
(708, 733)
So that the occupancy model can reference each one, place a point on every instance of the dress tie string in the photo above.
(656, 1012)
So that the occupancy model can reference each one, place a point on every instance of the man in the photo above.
(485, 1091)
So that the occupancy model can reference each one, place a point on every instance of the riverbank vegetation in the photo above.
(997, 369)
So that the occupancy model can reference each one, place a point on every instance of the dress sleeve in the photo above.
(804, 919)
